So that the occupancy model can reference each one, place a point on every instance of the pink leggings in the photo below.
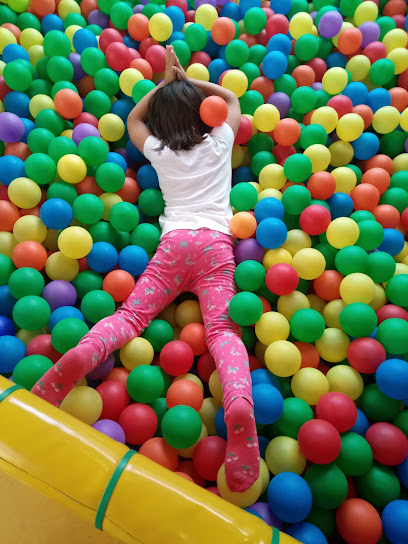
(199, 261)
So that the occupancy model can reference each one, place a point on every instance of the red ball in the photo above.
(375, 51)
(277, 24)
(388, 442)
(176, 358)
(208, 457)
(387, 216)
(41, 345)
(282, 279)
(338, 409)
(108, 36)
(187, 467)
(213, 111)
(342, 104)
(118, 56)
(185, 392)
(321, 185)
(319, 441)
(245, 131)
(282, 152)
(358, 522)
(119, 284)
(254, 363)
(182, 4)
(315, 219)
(86, 117)
(390, 311)
(156, 57)
(115, 399)
(319, 67)
(139, 421)
(404, 219)
(205, 366)
(200, 57)
(146, 44)
(327, 286)
(193, 334)
(366, 355)
(160, 452)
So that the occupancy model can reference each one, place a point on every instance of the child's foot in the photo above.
(242, 457)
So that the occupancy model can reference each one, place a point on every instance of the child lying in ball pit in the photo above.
(195, 254)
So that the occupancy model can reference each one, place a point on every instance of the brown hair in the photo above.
(174, 116)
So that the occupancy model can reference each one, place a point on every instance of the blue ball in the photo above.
(392, 378)
(253, 513)
(271, 232)
(403, 472)
(341, 205)
(357, 92)
(361, 425)
(281, 6)
(11, 167)
(366, 146)
(176, 35)
(269, 207)
(243, 173)
(133, 153)
(147, 177)
(211, 48)
(28, 127)
(133, 259)
(263, 375)
(12, 350)
(274, 64)
(7, 301)
(52, 22)
(83, 39)
(220, 425)
(177, 17)
(122, 108)
(279, 42)
(216, 68)
(14, 51)
(263, 444)
(232, 11)
(289, 497)
(7, 327)
(245, 5)
(378, 98)
(56, 214)
(307, 533)
(394, 519)
(336, 60)
(64, 312)
(221, 52)
(103, 257)
(117, 159)
(268, 403)
(393, 242)
(130, 42)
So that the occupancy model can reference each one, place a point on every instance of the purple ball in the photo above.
(370, 31)
(317, 86)
(248, 249)
(406, 145)
(313, 15)
(199, 3)
(79, 72)
(83, 130)
(281, 101)
(102, 370)
(330, 24)
(59, 293)
(262, 508)
(11, 127)
(111, 429)
(138, 8)
(99, 18)
(122, 151)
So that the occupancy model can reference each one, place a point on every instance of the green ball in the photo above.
(297, 7)
(322, 97)
(380, 266)
(236, 53)
(31, 312)
(28, 20)
(181, 427)
(58, 147)
(356, 456)
(254, 21)
(328, 485)
(30, 369)
(323, 519)
(146, 236)
(306, 47)
(87, 281)
(151, 202)
(150, 9)
(311, 135)
(56, 44)
(158, 333)
(303, 100)
(110, 177)
(329, 253)
(88, 209)
(249, 337)
(196, 37)
(376, 405)
(104, 232)
(7, 15)
(257, 53)
(297, 197)
(96, 305)
(120, 14)
(392, 144)
(93, 60)
(379, 486)
(107, 81)
(40, 168)
(67, 333)
(243, 196)
(397, 290)
(386, 24)
(362, 215)
(285, 84)
(401, 421)
(381, 71)
(74, 19)
(145, 383)
(182, 50)
(250, 101)
(260, 160)
(393, 335)
(17, 76)
(297, 168)
(358, 319)
(62, 85)
(251, 70)
(160, 407)
(6, 269)
(96, 29)
(295, 413)
(250, 275)
(124, 216)
(97, 103)
(60, 189)
(351, 259)
(395, 197)
(400, 180)
(51, 120)
(60, 69)
(106, 5)
(141, 89)
(307, 325)
(260, 142)
(245, 308)
(293, 63)
(93, 151)
(26, 281)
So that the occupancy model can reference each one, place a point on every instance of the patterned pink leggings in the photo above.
(199, 261)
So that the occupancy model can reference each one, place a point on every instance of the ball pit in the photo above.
(320, 213)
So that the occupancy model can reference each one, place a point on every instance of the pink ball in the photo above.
(319, 441)
(338, 409)
(245, 130)
(388, 442)
(108, 36)
(315, 219)
(156, 57)
(282, 279)
(118, 56)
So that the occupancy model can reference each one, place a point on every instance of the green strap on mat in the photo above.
(9, 391)
(100, 514)
(275, 535)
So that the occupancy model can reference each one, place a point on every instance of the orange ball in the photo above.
(87, 6)
(213, 111)
(160, 452)
(130, 190)
(185, 392)
(304, 75)
(185, 476)
(307, 118)
(321, 185)
(138, 27)
(327, 286)
(309, 353)
(365, 197)
(68, 103)
(287, 132)
(88, 185)
(223, 31)
(13, 29)
(365, 113)
(358, 521)
(378, 177)
(8, 215)
(143, 66)
(18, 149)
(193, 334)
(350, 41)
(388, 216)
(243, 225)
(118, 375)
(31, 254)
(119, 284)
(399, 98)
(31, 211)
(43, 7)
(380, 161)
(395, 7)
(264, 86)
(249, 39)
(85, 85)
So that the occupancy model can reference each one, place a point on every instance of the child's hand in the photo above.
(169, 74)
(179, 70)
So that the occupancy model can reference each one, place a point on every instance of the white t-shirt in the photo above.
(196, 184)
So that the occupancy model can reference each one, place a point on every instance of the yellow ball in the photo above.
(84, 403)
(400, 162)
(265, 475)
(198, 71)
(271, 326)
(168, 314)
(344, 26)
(331, 313)
(206, 15)
(29, 227)
(59, 267)
(346, 179)
(395, 38)
(341, 153)
(237, 156)
(357, 288)
(386, 119)
(366, 11)
(65, 7)
(160, 27)
(266, 117)
(379, 299)
(111, 127)
(7, 243)
(260, 351)
(289, 304)
(40, 102)
(30, 37)
(136, 352)
(191, 378)
(399, 57)
(316, 303)
(309, 263)
(300, 24)
(283, 454)
(187, 312)
(35, 53)
(335, 80)
(333, 345)
(75, 242)
(50, 241)
(208, 412)
(6, 38)
(214, 384)
(345, 379)
(108, 201)
(272, 177)
(359, 67)
(309, 384)
(235, 81)
(276, 256)
(128, 78)
(342, 232)
(297, 240)
(26, 336)
(283, 358)
(24, 193)
(320, 157)
(71, 168)
(243, 499)
(350, 127)
(270, 193)
(326, 117)
(188, 453)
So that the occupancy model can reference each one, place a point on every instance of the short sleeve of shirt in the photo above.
(224, 134)
(151, 143)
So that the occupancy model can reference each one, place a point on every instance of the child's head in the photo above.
(174, 115)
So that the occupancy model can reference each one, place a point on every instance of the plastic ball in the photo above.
(30, 369)
(283, 358)
(358, 521)
(115, 399)
(393, 520)
(289, 497)
(145, 383)
(283, 455)
(282, 279)
(357, 287)
(160, 452)
(268, 404)
(208, 457)
(213, 111)
(136, 352)
(71, 168)
(319, 441)
(392, 379)
(243, 499)
(181, 426)
(75, 242)
(391, 334)
(309, 263)
(309, 384)
(388, 442)
(185, 392)
(139, 421)
(84, 403)
(176, 358)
